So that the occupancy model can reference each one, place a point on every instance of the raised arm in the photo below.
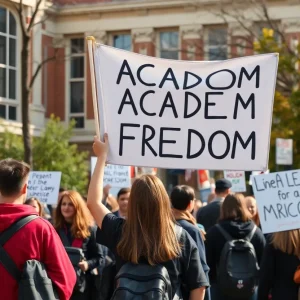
(95, 193)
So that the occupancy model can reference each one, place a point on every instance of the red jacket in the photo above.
(36, 240)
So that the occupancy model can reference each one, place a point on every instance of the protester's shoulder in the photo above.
(111, 221)
(42, 224)
(187, 241)
(190, 228)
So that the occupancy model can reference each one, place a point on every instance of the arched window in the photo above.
(8, 65)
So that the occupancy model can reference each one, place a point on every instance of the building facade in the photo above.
(173, 29)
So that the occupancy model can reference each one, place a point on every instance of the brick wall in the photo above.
(54, 96)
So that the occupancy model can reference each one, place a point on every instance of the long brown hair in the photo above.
(149, 230)
(82, 220)
(287, 241)
(41, 208)
(234, 207)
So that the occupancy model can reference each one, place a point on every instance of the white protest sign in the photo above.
(114, 175)
(185, 115)
(284, 151)
(278, 200)
(44, 186)
(237, 179)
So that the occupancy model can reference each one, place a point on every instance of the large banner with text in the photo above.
(185, 114)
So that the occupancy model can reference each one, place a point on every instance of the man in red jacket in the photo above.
(36, 240)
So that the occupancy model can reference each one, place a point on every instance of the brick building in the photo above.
(176, 29)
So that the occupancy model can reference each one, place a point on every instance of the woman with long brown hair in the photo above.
(280, 261)
(75, 227)
(37, 205)
(236, 221)
(148, 234)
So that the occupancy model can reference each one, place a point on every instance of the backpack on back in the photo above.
(237, 273)
(145, 282)
(34, 284)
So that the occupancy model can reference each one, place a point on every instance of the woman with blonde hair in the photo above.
(280, 261)
(148, 236)
(236, 222)
(252, 208)
(75, 226)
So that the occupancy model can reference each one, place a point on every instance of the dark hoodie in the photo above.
(36, 240)
(215, 242)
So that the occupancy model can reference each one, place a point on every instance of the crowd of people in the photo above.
(145, 243)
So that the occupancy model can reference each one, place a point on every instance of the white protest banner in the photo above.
(284, 151)
(44, 186)
(114, 175)
(237, 179)
(185, 114)
(278, 200)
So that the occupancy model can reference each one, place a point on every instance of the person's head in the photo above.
(287, 241)
(211, 197)
(122, 198)
(36, 204)
(251, 205)
(252, 208)
(234, 208)
(182, 197)
(13, 181)
(149, 229)
(72, 209)
(222, 187)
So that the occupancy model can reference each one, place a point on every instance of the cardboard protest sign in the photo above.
(114, 175)
(44, 186)
(284, 151)
(237, 179)
(278, 200)
(183, 114)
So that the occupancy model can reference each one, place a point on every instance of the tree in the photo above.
(27, 80)
(11, 145)
(286, 112)
(260, 32)
(52, 152)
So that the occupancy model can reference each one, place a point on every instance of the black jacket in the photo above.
(276, 275)
(215, 242)
(209, 215)
(93, 251)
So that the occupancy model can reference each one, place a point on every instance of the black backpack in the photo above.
(145, 282)
(238, 270)
(76, 255)
(34, 284)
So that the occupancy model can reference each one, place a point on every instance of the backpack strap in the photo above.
(251, 234)
(5, 259)
(226, 235)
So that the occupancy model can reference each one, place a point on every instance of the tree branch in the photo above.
(39, 67)
(31, 23)
(20, 10)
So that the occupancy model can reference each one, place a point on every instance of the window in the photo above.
(8, 65)
(76, 84)
(168, 42)
(217, 43)
(122, 41)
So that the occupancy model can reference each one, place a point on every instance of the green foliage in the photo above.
(11, 145)
(286, 112)
(52, 152)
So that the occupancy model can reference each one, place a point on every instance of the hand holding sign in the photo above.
(101, 148)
